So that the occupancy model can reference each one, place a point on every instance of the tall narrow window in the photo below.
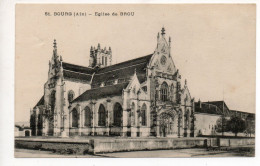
(133, 114)
(101, 115)
(164, 92)
(102, 60)
(52, 101)
(75, 118)
(118, 112)
(105, 61)
(71, 96)
(87, 116)
(143, 115)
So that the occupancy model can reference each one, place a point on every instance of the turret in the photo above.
(100, 57)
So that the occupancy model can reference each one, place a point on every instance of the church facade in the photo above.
(137, 98)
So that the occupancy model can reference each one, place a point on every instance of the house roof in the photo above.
(123, 70)
(208, 108)
(101, 92)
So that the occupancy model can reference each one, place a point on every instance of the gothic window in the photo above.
(52, 101)
(143, 115)
(101, 115)
(105, 61)
(164, 91)
(172, 92)
(118, 111)
(87, 116)
(71, 96)
(102, 60)
(133, 114)
(75, 118)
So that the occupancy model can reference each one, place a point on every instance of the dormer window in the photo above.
(116, 81)
(102, 84)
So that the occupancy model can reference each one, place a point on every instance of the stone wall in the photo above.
(114, 145)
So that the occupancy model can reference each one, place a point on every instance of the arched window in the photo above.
(133, 114)
(87, 116)
(164, 91)
(75, 118)
(101, 115)
(71, 96)
(52, 101)
(118, 111)
(143, 115)
(172, 92)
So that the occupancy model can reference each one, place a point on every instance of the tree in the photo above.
(236, 125)
(221, 125)
(250, 125)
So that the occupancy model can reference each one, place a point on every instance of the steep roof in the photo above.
(123, 70)
(101, 92)
(40, 102)
(202, 107)
(76, 72)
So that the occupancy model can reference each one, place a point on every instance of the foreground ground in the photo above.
(235, 152)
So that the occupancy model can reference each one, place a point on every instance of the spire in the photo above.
(54, 44)
(55, 48)
(163, 31)
(98, 46)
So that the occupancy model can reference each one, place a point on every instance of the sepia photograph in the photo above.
(135, 80)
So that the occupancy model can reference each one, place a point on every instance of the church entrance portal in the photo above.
(167, 127)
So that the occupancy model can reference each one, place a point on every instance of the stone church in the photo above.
(137, 98)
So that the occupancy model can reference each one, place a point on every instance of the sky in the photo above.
(213, 46)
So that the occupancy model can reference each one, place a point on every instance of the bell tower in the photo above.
(100, 57)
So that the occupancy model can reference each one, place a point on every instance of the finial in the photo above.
(54, 44)
(109, 48)
(91, 48)
(163, 31)
(158, 35)
(135, 71)
(169, 39)
(60, 58)
(185, 81)
(98, 46)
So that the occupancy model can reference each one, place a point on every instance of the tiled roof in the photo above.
(123, 70)
(201, 107)
(221, 105)
(77, 68)
(101, 92)
(76, 72)
(76, 76)
(240, 113)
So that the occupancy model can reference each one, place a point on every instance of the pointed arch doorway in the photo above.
(168, 121)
